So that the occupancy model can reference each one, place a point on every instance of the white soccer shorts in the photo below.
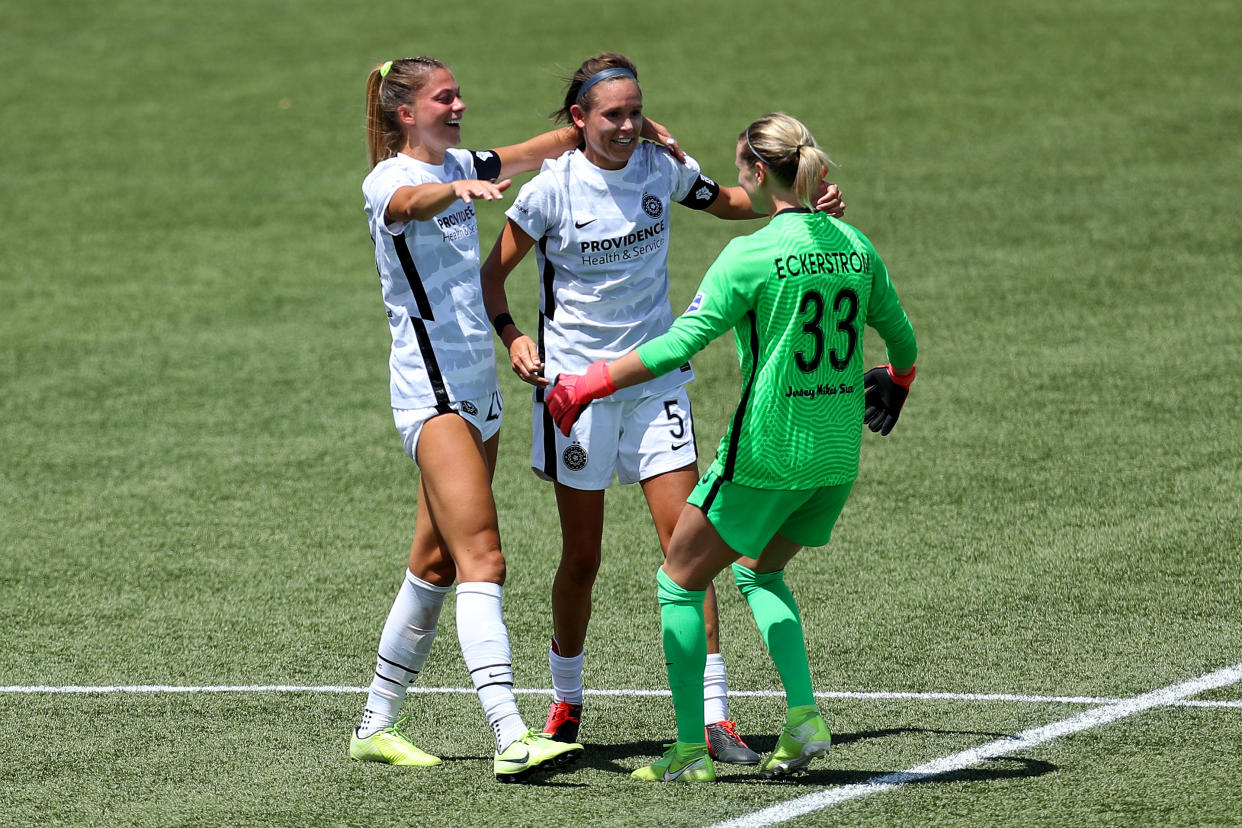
(484, 413)
(633, 439)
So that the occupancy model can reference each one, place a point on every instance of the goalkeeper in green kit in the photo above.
(797, 294)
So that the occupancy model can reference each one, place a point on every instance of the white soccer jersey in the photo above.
(429, 272)
(602, 240)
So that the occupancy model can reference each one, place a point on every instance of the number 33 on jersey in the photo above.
(797, 295)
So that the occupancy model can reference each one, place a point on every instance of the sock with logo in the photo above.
(715, 690)
(780, 625)
(685, 652)
(403, 648)
(485, 648)
(566, 675)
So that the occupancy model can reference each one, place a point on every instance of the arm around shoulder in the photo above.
(732, 204)
(531, 153)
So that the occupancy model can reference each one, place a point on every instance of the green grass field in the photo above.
(200, 484)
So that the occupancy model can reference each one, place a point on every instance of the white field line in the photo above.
(1086, 720)
(343, 689)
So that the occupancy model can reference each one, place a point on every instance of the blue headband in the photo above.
(606, 74)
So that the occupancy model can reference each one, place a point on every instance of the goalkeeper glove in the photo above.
(574, 392)
(886, 394)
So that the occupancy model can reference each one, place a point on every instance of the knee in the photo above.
(439, 573)
(580, 565)
(487, 566)
(748, 580)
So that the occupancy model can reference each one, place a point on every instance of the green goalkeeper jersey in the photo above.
(796, 294)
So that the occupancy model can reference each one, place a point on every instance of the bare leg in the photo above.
(429, 558)
(582, 530)
(456, 489)
(456, 479)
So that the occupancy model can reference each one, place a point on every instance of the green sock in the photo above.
(798, 715)
(685, 653)
(776, 615)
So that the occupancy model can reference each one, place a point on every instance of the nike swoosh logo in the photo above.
(670, 776)
(524, 760)
(581, 224)
(679, 445)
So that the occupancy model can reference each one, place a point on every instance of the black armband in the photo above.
(486, 165)
(702, 194)
(501, 320)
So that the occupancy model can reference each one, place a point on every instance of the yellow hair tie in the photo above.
(384, 69)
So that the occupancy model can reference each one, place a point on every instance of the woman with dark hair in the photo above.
(599, 218)
(796, 294)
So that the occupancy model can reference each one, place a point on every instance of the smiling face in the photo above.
(610, 129)
(433, 123)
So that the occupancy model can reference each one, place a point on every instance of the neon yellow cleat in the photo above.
(804, 737)
(390, 747)
(533, 753)
(684, 762)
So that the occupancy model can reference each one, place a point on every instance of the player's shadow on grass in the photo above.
(619, 758)
(546, 779)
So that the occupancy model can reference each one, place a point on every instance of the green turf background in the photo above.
(200, 483)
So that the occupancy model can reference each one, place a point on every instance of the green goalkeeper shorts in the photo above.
(747, 519)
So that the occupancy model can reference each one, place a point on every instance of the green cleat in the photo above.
(390, 747)
(684, 762)
(532, 753)
(804, 737)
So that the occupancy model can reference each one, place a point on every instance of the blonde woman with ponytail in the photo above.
(419, 200)
(797, 295)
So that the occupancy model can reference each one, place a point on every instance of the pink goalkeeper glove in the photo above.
(574, 392)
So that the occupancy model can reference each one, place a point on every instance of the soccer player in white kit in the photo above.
(446, 403)
(600, 218)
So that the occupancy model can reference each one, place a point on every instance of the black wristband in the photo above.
(500, 320)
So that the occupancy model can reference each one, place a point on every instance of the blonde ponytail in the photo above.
(389, 86)
(789, 150)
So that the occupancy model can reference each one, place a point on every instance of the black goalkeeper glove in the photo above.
(886, 394)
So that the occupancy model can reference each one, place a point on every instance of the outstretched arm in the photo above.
(574, 392)
(629, 370)
(421, 202)
(719, 304)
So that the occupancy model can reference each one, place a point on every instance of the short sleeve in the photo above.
(486, 165)
(690, 187)
(536, 207)
(378, 190)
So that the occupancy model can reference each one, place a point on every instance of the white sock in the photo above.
(566, 677)
(485, 647)
(715, 690)
(403, 648)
